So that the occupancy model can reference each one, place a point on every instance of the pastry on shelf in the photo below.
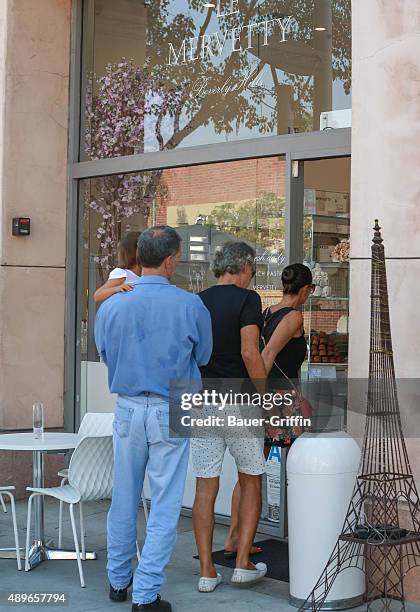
(341, 252)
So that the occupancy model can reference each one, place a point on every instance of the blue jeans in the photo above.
(141, 439)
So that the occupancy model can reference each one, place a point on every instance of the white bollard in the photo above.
(321, 474)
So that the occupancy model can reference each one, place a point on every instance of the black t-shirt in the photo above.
(231, 308)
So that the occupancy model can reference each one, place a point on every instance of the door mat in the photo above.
(275, 554)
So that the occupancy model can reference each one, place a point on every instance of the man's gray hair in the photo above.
(232, 258)
(156, 244)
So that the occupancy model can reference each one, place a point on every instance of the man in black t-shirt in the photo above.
(236, 324)
(233, 308)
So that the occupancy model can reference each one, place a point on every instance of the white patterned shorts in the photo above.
(246, 448)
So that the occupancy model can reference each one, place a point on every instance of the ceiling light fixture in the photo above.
(320, 29)
(209, 5)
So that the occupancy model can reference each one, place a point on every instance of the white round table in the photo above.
(50, 442)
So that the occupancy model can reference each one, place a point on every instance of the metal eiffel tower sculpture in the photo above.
(372, 538)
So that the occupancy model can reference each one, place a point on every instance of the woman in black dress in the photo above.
(283, 337)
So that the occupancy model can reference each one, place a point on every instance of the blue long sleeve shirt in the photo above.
(152, 336)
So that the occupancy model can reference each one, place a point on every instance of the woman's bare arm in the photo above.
(285, 331)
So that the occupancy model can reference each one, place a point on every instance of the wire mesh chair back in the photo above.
(91, 467)
(96, 424)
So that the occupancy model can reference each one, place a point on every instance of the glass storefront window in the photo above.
(176, 73)
(208, 205)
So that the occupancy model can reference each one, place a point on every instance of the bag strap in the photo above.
(296, 390)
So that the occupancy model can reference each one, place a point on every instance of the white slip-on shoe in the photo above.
(242, 577)
(207, 585)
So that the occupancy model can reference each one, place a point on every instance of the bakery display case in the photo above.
(326, 252)
(326, 244)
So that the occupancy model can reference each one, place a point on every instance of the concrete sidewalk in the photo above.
(182, 572)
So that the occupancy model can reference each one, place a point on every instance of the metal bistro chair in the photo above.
(8, 491)
(93, 424)
(89, 479)
(3, 505)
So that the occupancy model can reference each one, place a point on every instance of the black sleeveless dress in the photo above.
(290, 358)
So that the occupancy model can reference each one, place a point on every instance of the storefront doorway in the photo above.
(287, 208)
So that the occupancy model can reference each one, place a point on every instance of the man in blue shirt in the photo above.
(148, 337)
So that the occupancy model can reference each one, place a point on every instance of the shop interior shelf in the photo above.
(328, 299)
(328, 307)
(337, 365)
(333, 233)
(334, 218)
(333, 264)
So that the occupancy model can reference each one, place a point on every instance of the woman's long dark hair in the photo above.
(294, 277)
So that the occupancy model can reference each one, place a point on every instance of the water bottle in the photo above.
(38, 420)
